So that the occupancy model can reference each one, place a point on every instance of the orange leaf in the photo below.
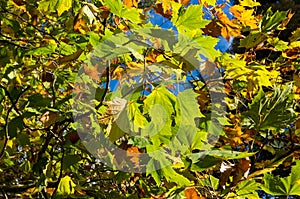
(130, 3)
(134, 153)
(230, 27)
(92, 72)
(191, 193)
(185, 2)
(80, 25)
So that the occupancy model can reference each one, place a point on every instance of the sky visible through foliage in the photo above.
(149, 99)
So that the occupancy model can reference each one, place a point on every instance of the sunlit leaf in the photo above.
(279, 186)
(66, 186)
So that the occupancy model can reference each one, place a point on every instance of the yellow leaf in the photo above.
(10, 143)
(244, 16)
(63, 5)
(66, 186)
(19, 4)
(297, 182)
(209, 2)
(249, 3)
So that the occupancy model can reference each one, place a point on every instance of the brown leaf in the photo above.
(226, 169)
(292, 53)
(160, 10)
(92, 72)
(47, 77)
(286, 21)
(203, 98)
(212, 29)
(241, 171)
(49, 118)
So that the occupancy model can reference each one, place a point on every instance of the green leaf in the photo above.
(165, 171)
(253, 39)
(136, 117)
(210, 181)
(131, 14)
(55, 5)
(70, 160)
(23, 139)
(191, 19)
(138, 141)
(26, 166)
(161, 96)
(246, 189)
(271, 21)
(188, 107)
(44, 50)
(270, 112)
(66, 186)
(14, 126)
(118, 129)
(206, 46)
(67, 49)
(276, 185)
(202, 163)
(114, 5)
(47, 5)
(220, 154)
(172, 176)
(295, 35)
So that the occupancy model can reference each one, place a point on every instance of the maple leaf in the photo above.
(230, 27)
(244, 16)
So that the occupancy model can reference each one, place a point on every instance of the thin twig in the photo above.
(61, 168)
(29, 24)
(13, 106)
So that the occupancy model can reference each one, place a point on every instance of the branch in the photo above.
(28, 23)
(107, 85)
(13, 106)
(17, 188)
(71, 57)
